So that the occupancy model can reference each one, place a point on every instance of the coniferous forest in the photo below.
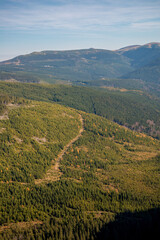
(79, 120)
(71, 174)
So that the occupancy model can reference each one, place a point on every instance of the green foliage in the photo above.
(109, 177)
(32, 137)
(4, 100)
(132, 109)
(109, 170)
(107, 151)
(18, 76)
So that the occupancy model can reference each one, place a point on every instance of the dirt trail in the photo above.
(53, 174)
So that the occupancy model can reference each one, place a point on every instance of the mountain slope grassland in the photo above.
(108, 170)
(134, 109)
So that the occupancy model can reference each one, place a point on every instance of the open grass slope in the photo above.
(107, 171)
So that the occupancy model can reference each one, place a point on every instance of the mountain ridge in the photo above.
(129, 47)
(87, 66)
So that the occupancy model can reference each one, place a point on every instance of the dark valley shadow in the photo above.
(129, 226)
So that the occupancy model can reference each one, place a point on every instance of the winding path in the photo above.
(53, 174)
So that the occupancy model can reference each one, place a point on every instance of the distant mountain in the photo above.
(88, 66)
(150, 73)
(146, 61)
(141, 55)
(73, 65)
(125, 49)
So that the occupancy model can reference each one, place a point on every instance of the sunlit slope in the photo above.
(134, 109)
(115, 159)
(31, 136)
(105, 169)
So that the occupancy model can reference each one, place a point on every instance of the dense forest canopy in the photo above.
(134, 109)
(87, 191)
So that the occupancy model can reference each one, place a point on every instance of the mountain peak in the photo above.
(124, 49)
(152, 44)
(134, 47)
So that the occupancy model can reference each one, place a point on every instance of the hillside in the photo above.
(141, 55)
(88, 188)
(134, 67)
(75, 65)
(4, 100)
(150, 73)
(18, 77)
(145, 59)
(134, 109)
(30, 133)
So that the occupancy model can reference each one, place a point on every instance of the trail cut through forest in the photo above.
(54, 173)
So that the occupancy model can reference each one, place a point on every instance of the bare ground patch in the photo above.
(110, 188)
(20, 225)
(4, 116)
(82, 148)
(18, 140)
(40, 140)
(9, 106)
(2, 130)
(66, 115)
(139, 156)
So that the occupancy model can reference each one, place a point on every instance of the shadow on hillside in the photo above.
(129, 226)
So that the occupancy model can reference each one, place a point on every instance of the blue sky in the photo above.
(35, 25)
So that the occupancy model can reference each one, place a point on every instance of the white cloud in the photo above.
(96, 17)
(146, 25)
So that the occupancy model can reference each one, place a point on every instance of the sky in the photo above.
(36, 25)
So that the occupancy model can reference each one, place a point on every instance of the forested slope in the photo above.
(134, 109)
(32, 135)
(108, 171)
